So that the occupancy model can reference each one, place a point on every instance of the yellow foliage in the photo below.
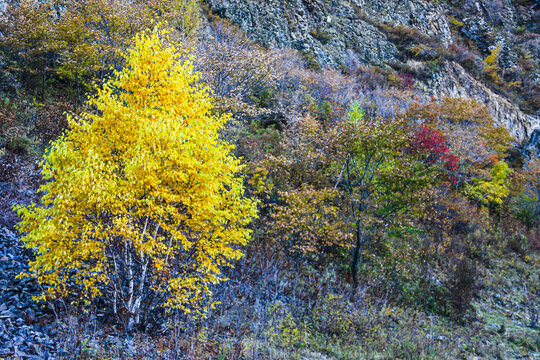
(491, 64)
(83, 39)
(491, 191)
(310, 222)
(472, 133)
(455, 22)
(142, 196)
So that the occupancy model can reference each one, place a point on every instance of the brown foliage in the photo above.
(309, 222)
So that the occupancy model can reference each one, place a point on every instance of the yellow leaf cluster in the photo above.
(491, 191)
(491, 64)
(311, 222)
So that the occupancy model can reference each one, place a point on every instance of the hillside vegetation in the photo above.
(172, 187)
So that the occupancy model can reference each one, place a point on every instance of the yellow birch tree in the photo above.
(143, 205)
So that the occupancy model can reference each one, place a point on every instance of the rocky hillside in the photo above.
(441, 44)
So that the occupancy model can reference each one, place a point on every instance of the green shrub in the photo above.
(525, 208)
(21, 145)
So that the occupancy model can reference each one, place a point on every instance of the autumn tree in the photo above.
(81, 40)
(493, 190)
(143, 205)
(491, 64)
(90, 35)
(25, 34)
(364, 175)
(383, 174)
(470, 134)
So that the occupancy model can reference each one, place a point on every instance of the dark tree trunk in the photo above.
(356, 256)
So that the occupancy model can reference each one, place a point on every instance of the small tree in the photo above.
(491, 64)
(384, 171)
(143, 205)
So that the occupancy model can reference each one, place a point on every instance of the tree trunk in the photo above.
(356, 256)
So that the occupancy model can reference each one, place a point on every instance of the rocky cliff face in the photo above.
(327, 30)
(331, 30)
(426, 16)
(337, 32)
(453, 80)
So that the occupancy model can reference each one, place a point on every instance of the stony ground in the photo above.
(26, 328)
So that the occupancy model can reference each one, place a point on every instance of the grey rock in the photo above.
(326, 30)
(20, 334)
